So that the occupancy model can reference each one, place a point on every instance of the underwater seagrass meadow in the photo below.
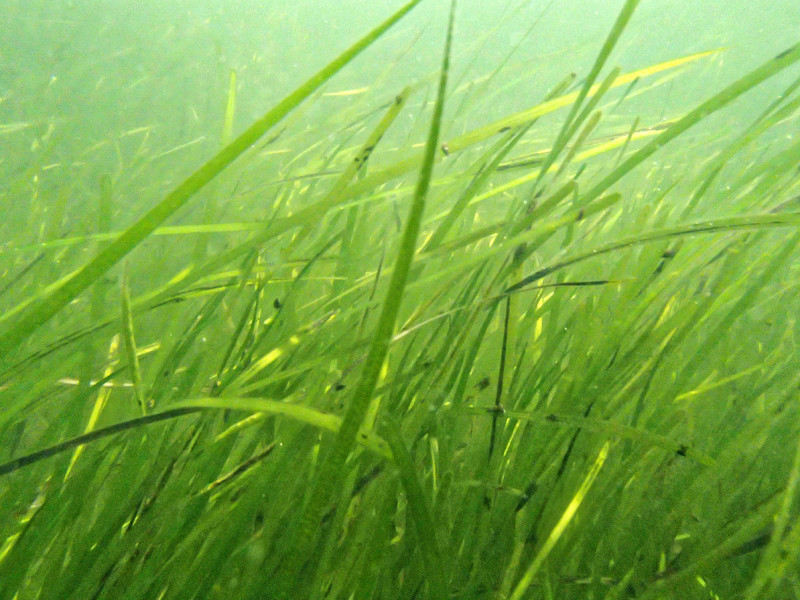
(475, 300)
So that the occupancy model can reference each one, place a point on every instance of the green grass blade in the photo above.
(296, 412)
(420, 511)
(558, 530)
(571, 123)
(749, 222)
(769, 570)
(130, 343)
(729, 94)
(487, 169)
(526, 116)
(230, 110)
(333, 463)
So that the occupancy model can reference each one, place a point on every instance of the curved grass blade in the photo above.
(299, 413)
(296, 412)
(17, 330)
(714, 226)
(91, 436)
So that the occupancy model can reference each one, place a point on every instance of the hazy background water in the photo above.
(85, 86)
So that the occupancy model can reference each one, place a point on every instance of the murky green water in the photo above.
(516, 325)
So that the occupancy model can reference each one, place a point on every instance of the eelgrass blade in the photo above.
(332, 465)
(750, 222)
(17, 327)
(424, 526)
(90, 436)
(617, 430)
(296, 412)
(498, 409)
(526, 116)
(572, 123)
(769, 570)
(100, 401)
(130, 342)
(401, 167)
(557, 531)
(230, 110)
(750, 526)
(277, 226)
(579, 141)
(486, 170)
(251, 314)
(310, 216)
(635, 333)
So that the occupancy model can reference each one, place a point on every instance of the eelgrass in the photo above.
(393, 385)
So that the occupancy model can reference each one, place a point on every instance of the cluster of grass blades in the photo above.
(520, 361)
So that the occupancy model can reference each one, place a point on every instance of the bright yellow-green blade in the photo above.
(558, 530)
(296, 412)
(515, 120)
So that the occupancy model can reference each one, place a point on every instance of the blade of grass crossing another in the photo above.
(723, 225)
(103, 394)
(264, 406)
(295, 412)
(15, 331)
(571, 124)
(549, 106)
(486, 169)
(309, 217)
(558, 530)
(579, 141)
